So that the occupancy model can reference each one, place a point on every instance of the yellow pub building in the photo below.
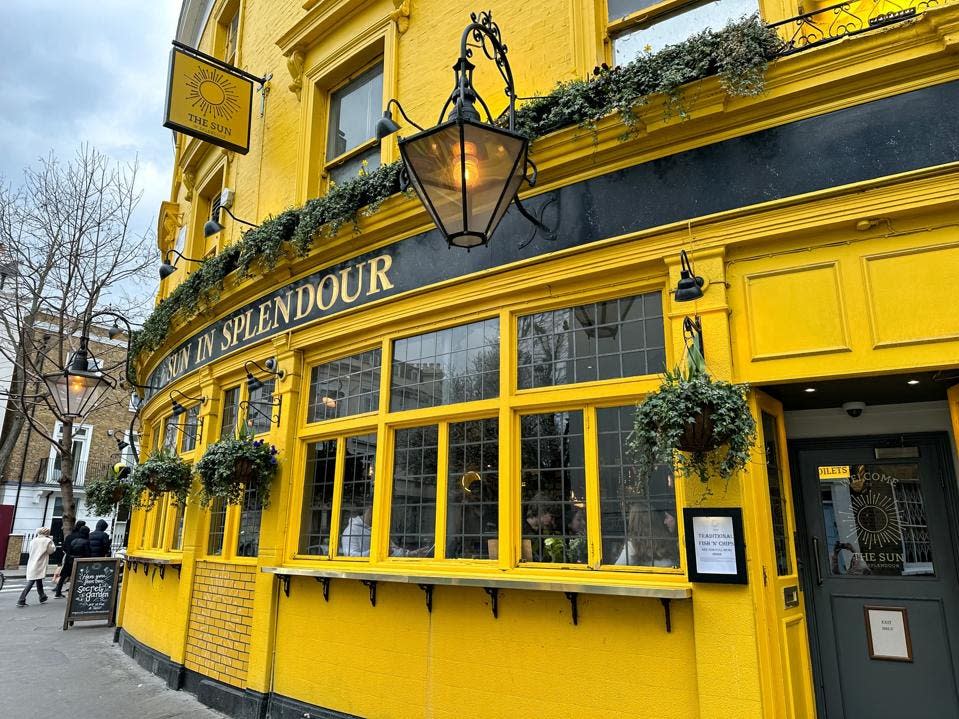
(457, 527)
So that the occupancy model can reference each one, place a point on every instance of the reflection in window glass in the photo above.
(217, 523)
(459, 364)
(622, 8)
(413, 514)
(191, 428)
(553, 488)
(876, 522)
(177, 543)
(170, 432)
(675, 27)
(345, 387)
(318, 498)
(231, 412)
(356, 509)
(354, 111)
(604, 340)
(637, 514)
(260, 411)
(472, 511)
(248, 538)
(777, 502)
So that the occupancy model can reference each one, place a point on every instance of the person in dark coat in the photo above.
(66, 565)
(100, 541)
(80, 547)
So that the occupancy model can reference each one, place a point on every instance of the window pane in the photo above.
(231, 407)
(318, 498)
(345, 387)
(603, 340)
(248, 538)
(622, 8)
(351, 168)
(553, 488)
(354, 110)
(413, 521)
(217, 522)
(459, 364)
(472, 513)
(777, 502)
(260, 408)
(178, 528)
(170, 431)
(160, 524)
(678, 26)
(637, 514)
(191, 428)
(356, 513)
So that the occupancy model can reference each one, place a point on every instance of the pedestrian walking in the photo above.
(100, 541)
(80, 547)
(41, 547)
(66, 565)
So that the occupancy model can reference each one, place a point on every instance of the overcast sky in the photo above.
(75, 71)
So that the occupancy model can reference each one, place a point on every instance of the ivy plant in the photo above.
(233, 465)
(163, 472)
(699, 425)
(738, 54)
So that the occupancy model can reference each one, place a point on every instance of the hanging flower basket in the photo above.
(163, 472)
(699, 425)
(104, 493)
(231, 466)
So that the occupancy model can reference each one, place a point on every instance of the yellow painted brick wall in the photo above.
(221, 616)
(154, 598)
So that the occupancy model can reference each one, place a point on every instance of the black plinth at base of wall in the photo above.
(230, 700)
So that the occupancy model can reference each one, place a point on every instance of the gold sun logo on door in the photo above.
(212, 92)
(873, 520)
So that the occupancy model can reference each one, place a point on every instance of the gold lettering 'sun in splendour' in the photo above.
(209, 103)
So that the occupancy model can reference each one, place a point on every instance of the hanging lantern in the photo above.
(78, 388)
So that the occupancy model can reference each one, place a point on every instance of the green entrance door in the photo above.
(881, 577)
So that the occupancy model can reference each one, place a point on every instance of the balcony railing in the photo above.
(841, 20)
(48, 472)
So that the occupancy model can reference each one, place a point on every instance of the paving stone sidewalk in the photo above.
(79, 673)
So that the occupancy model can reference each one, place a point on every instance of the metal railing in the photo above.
(48, 472)
(844, 19)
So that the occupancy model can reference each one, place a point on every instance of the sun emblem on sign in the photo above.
(212, 92)
(873, 520)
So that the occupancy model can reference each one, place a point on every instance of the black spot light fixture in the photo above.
(177, 407)
(269, 367)
(167, 269)
(467, 169)
(690, 285)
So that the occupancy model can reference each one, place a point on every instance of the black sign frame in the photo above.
(109, 614)
(739, 547)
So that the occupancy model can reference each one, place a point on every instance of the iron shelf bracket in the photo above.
(669, 619)
(162, 571)
(493, 593)
(573, 598)
(372, 585)
(325, 581)
(285, 578)
(428, 589)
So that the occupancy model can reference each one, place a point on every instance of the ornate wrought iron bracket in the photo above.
(573, 598)
(372, 587)
(428, 589)
(325, 581)
(669, 619)
(493, 593)
(537, 222)
(273, 419)
(162, 569)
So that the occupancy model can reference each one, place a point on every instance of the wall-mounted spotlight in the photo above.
(177, 407)
(690, 285)
(213, 225)
(167, 269)
(269, 366)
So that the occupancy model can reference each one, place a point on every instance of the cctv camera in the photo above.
(854, 409)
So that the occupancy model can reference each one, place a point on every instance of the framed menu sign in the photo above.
(93, 590)
(715, 551)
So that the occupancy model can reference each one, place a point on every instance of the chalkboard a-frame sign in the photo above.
(93, 590)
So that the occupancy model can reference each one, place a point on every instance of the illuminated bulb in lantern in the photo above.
(466, 163)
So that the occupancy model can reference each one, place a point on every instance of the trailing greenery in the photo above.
(231, 466)
(686, 402)
(104, 493)
(162, 472)
(738, 54)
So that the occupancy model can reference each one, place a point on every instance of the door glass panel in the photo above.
(875, 520)
(777, 500)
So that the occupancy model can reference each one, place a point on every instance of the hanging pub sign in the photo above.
(209, 100)
(715, 549)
